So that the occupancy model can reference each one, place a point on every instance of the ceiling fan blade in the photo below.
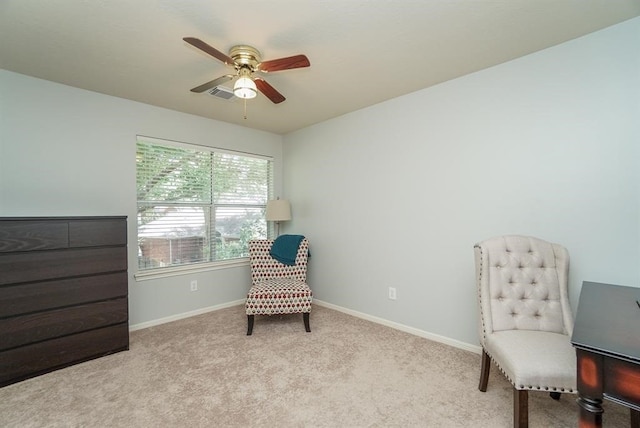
(288, 63)
(209, 49)
(212, 84)
(269, 91)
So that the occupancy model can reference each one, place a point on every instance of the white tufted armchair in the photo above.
(525, 318)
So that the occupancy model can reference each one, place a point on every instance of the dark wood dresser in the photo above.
(63, 292)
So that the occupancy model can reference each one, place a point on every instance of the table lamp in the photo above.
(278, 210)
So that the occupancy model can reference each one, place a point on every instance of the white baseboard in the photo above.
(411, 330)
(183, 315)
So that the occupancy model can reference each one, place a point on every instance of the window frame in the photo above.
(194, 267)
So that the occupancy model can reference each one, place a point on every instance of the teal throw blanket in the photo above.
(285, 248)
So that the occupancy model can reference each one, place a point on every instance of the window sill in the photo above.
(146, 275)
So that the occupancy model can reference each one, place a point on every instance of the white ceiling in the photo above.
(362, 52)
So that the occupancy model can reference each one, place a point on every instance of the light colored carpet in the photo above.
(204, 371)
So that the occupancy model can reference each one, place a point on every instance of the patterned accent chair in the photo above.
(525, 318)
(277, 288)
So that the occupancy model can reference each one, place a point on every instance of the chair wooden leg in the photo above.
(520, 408)
(249, 324)
(484, 371)
(305, 317)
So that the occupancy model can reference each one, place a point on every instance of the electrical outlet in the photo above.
(392, 293)
(194, 285)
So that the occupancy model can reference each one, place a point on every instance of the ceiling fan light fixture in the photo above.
(245, 88)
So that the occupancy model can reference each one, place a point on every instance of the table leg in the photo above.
(590, 412)
(635, 419)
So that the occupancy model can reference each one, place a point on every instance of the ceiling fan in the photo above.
(246, 60)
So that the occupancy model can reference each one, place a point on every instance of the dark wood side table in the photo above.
(606, 336)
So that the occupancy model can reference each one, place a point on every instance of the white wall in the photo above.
(66, 151)
(398, 193)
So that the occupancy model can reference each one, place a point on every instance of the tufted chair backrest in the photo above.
(264, 267)
(522, 285)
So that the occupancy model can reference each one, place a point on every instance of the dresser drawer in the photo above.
(33, 235)
(38, 296)
(24, 329)
(94, 233)
(46, 265)
(32, 360)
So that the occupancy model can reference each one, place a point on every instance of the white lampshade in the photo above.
(245, 88)
(278, 210)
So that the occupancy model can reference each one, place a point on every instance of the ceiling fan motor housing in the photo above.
(245, 56)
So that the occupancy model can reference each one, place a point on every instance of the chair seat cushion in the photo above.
(537, 360)
(279, 296)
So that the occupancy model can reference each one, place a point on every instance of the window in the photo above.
(198, 204)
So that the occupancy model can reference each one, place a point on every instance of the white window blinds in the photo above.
(197, 204)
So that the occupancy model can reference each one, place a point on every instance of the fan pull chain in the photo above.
(245, 109)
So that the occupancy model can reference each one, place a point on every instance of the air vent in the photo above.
(222, 92)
